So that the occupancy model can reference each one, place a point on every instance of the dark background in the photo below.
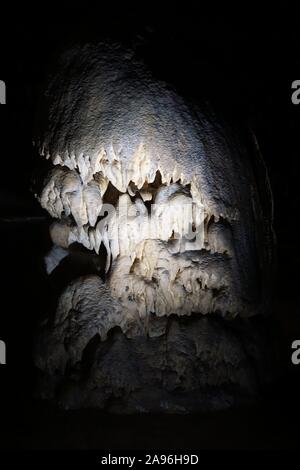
(244, 62)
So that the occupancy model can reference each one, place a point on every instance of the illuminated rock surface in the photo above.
(188, 244)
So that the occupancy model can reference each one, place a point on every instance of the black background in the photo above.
(244, 62)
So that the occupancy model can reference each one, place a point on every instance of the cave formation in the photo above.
(170, 204)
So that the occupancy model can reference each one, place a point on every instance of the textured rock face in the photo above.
(175, 203)
(191, 364)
